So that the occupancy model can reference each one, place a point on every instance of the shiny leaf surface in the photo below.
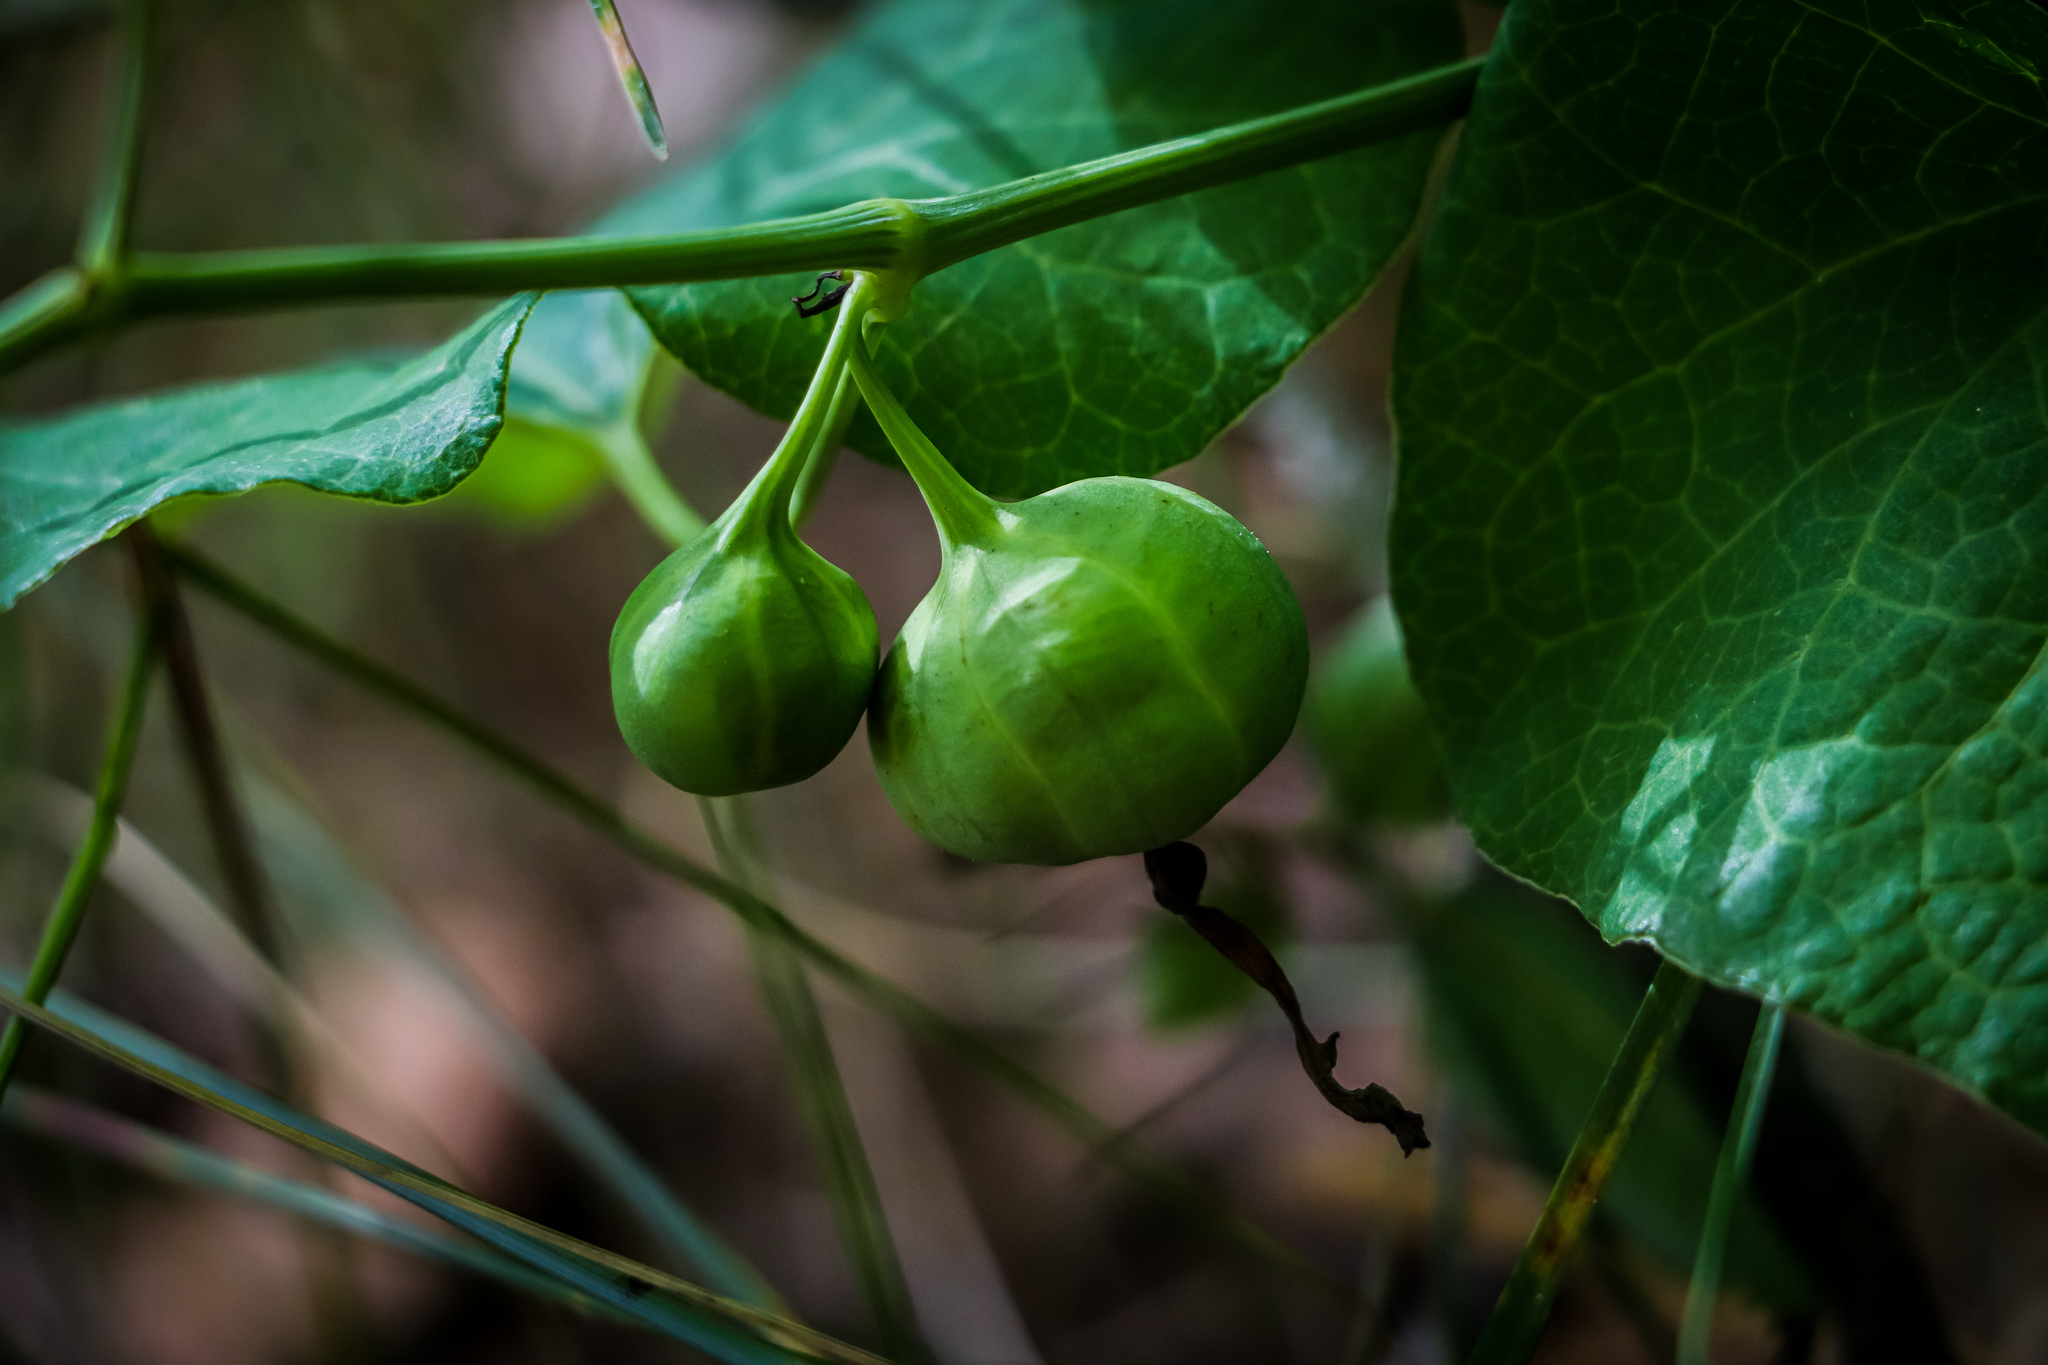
(1723, 517)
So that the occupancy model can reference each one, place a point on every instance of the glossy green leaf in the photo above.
(1527, 1009)
(390, 431)
(1119, 346)
(646, 1295)
(1722, 532)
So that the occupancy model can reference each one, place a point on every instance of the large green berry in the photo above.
(1097, 670)
(1369, 729)
(745, 660)
(742, 662)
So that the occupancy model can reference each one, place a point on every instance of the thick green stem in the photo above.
(965, 225)
(820, 1092)
(104, 237)
(965, 515)
(1731, 1176)
(1524, 1306)
(901, 238)
(61, 930)
(1169, 1184)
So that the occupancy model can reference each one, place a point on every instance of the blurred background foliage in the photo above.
(418, 893)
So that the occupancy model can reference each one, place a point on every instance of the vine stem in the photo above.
(103, 237)
(1161, 1179)
(1731, 1176)
(1523, 1308)
(902, 238)
(60, 931)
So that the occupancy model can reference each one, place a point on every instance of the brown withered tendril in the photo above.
(1177, 872)
(821, 299)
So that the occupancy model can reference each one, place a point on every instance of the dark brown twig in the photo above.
(1177, 871)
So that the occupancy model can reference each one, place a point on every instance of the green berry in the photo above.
(742, 662)
(1097, 670)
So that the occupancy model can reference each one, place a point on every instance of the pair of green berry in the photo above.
(1097, 670)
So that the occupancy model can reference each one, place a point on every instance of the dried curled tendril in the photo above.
(820, 299)
(1177, 871)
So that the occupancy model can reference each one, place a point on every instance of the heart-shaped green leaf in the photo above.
(1118, 346)
(1722, 533)
(390, 431)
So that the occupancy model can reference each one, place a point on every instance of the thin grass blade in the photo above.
(632, 78)
(821, 1095)
(1731, 1175)
(1519, 1316)
(720, 1327)
(1164, 1181)
(330, 895)
(32, 1110)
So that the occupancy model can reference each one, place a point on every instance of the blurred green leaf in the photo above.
(719, 1327)
(394, 432)
(533, 476)
(1117, 346)
(1722, 388)
(1527, 1008)
(1369, 729)
(585, 378)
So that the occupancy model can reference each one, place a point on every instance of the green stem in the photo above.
(965, 515)
(61, 930)
(1731, 1176)
(103, 240)
(821, 1093)
(44, 315)
(965, 225)
(633, 470)
(810, 485)
(1523, 1309)
(768, 496)
(632, 76)
(1164, 1181)
(906, 239)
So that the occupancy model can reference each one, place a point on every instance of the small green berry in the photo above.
(1097, 670)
